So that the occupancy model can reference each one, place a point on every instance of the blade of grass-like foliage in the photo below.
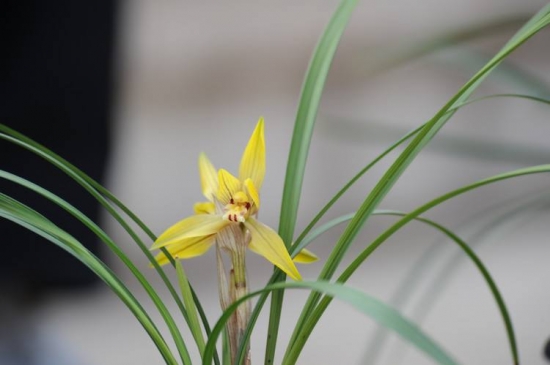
(310, 237)
(405, 137)
(26, 217)
(226, 356)
(299, 243)
(380, 132)
(96, 230)
(427, 301)
(538, 22)
(305, 119)
(364, 303)
(470, 60)
(422, 138)
(90, 185)
(303, 129)
(316, 314)
(277, 275)
(493, 96)
(465, 248)
(499, 300)
(477, 226)
(187, 296)
(99, 193)
(351, 182)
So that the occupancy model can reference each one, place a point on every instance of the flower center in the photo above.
(238, 208)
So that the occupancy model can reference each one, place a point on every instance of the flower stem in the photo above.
(234, 241)
(239, 289)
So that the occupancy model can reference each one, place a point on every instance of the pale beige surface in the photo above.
(196, 76)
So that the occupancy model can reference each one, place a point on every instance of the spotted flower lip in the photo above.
(231, 202)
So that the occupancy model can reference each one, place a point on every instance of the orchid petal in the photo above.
(187, 248)
(194, 226)
(305, 257)
(229, 186)
(252, 192)
(209, 177)
(267, 243)
(253, 160)
(204, 208)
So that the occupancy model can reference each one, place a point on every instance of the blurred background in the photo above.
(191, 77)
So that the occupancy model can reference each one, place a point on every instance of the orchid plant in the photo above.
(228, 221)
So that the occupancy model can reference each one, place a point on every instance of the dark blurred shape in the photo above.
(55, 87)
(547, 350)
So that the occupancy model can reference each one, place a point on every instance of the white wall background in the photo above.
(195, 76)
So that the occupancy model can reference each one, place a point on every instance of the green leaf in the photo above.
(316, 314)
(538, 22)
(421, 139)
(477, 228)
(226, 355)
(307, 113)
(302, 241)
(466, 249)
(499, 300)
(277, 275)
(187, 296)
(308, 106)
(99, 193)
(381, 132)
(377, 310)
(95, 229)
(26, 217)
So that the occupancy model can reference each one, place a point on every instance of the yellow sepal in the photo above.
(253, 160)
(267, 243)
(186, 249)
(209, 177)
(195, 226)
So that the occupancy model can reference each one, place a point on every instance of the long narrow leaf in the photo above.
(377, 310)
(476, 228)
(465, 248)
(538, 22)
(303, 129)
(323, 304)
(26, 217)
(99, 192)
(308, 233)
(180, 344)
(187, 296)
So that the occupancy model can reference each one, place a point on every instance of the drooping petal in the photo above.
(195, 226)
(305, 257)
(204, 208)
(187, 248)
(252, 192)
(209, 177)
(229, 186)
(266, 242)
(253, 160)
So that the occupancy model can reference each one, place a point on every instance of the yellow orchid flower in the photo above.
(232, 202)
